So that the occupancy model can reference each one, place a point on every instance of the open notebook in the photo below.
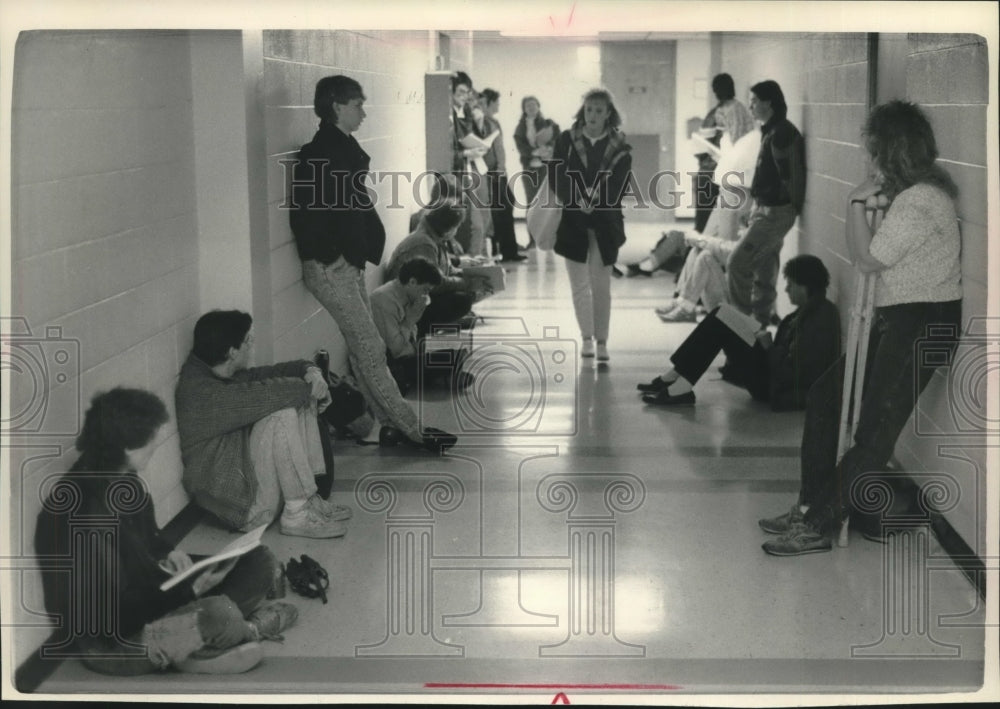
(239, 546)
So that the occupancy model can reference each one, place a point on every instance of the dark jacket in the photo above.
(99, 548)
(806, 344)
(524, 147)
(780, 175)
(332, 214)
(604, 169)
(462, 124)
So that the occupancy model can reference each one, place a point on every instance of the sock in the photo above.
(681, 386)
(294, 507)
(686, 305)
(647, 265)
(803, 508)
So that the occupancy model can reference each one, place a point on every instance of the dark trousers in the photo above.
(747, 364)
(444, 309)
(502, 210)
(705, 193)
(908, 342)
(412, 370)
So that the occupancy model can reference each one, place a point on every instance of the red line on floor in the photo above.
(499, 685)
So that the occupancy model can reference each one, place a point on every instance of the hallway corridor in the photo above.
(578, 540)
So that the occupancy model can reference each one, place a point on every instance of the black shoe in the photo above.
(514, 258)
(654, 386)
(438, 441)
(617, 272)
(634, 270)
(390, 437)
(663, 398)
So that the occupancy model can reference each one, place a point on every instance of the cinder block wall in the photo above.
(824, 78)
(390, 67)
(948, 75)
(104, 232)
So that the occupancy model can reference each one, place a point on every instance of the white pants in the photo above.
(703, 278)
(287, 456)
(591, 286)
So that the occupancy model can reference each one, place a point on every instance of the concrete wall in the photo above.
(824, 78)
(105, 247)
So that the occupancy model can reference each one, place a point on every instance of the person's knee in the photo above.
(283, 417)
(217, 617)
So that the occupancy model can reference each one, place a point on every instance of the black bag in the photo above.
(307, 578)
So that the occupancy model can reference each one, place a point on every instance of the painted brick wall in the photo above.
(390, 66)
(825, 84)
(948, 76)
(104, 246)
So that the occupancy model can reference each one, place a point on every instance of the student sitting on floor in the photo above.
(249, 436)
(453, 298)
(807, 342)
(397, 306)
(107, 595)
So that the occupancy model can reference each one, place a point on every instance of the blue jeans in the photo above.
(908, 342)
(216, 621)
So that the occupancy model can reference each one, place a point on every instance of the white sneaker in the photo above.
(588, 348)
(602, 352)
(312, 523)
(338, 513)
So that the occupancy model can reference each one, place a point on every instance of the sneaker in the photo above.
(670, 306)
(268, 622)
(312, 523)
(602, 352)
(228, 661)
(800, 538)
(588, 348)
(338, 513)
(782, 523)
(679, 314)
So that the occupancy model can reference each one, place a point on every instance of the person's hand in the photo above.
(176, 562)
(415, 308)
(212, 576)
(318, 383)
(871, 192)
(694, 239)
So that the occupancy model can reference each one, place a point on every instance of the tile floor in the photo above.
(577, 540)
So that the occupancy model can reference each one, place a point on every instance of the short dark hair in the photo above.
(614, 117)
(117, 421)
(769, 90)
(530, 98)
(422, 270)
(444, 187)
(458, 78)
(334, 89)
(723, 87)
(809, 271)
(444, 216)
(490, 95)
(218, 331)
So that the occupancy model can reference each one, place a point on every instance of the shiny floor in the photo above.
(580, 541)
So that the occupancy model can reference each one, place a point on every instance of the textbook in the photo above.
(703, 146)
(239, 546)
(471, 140)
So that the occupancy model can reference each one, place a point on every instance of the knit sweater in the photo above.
(214, 420)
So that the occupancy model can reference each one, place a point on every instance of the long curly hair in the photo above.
(614, 115)
(117, 421)
(900, 141)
